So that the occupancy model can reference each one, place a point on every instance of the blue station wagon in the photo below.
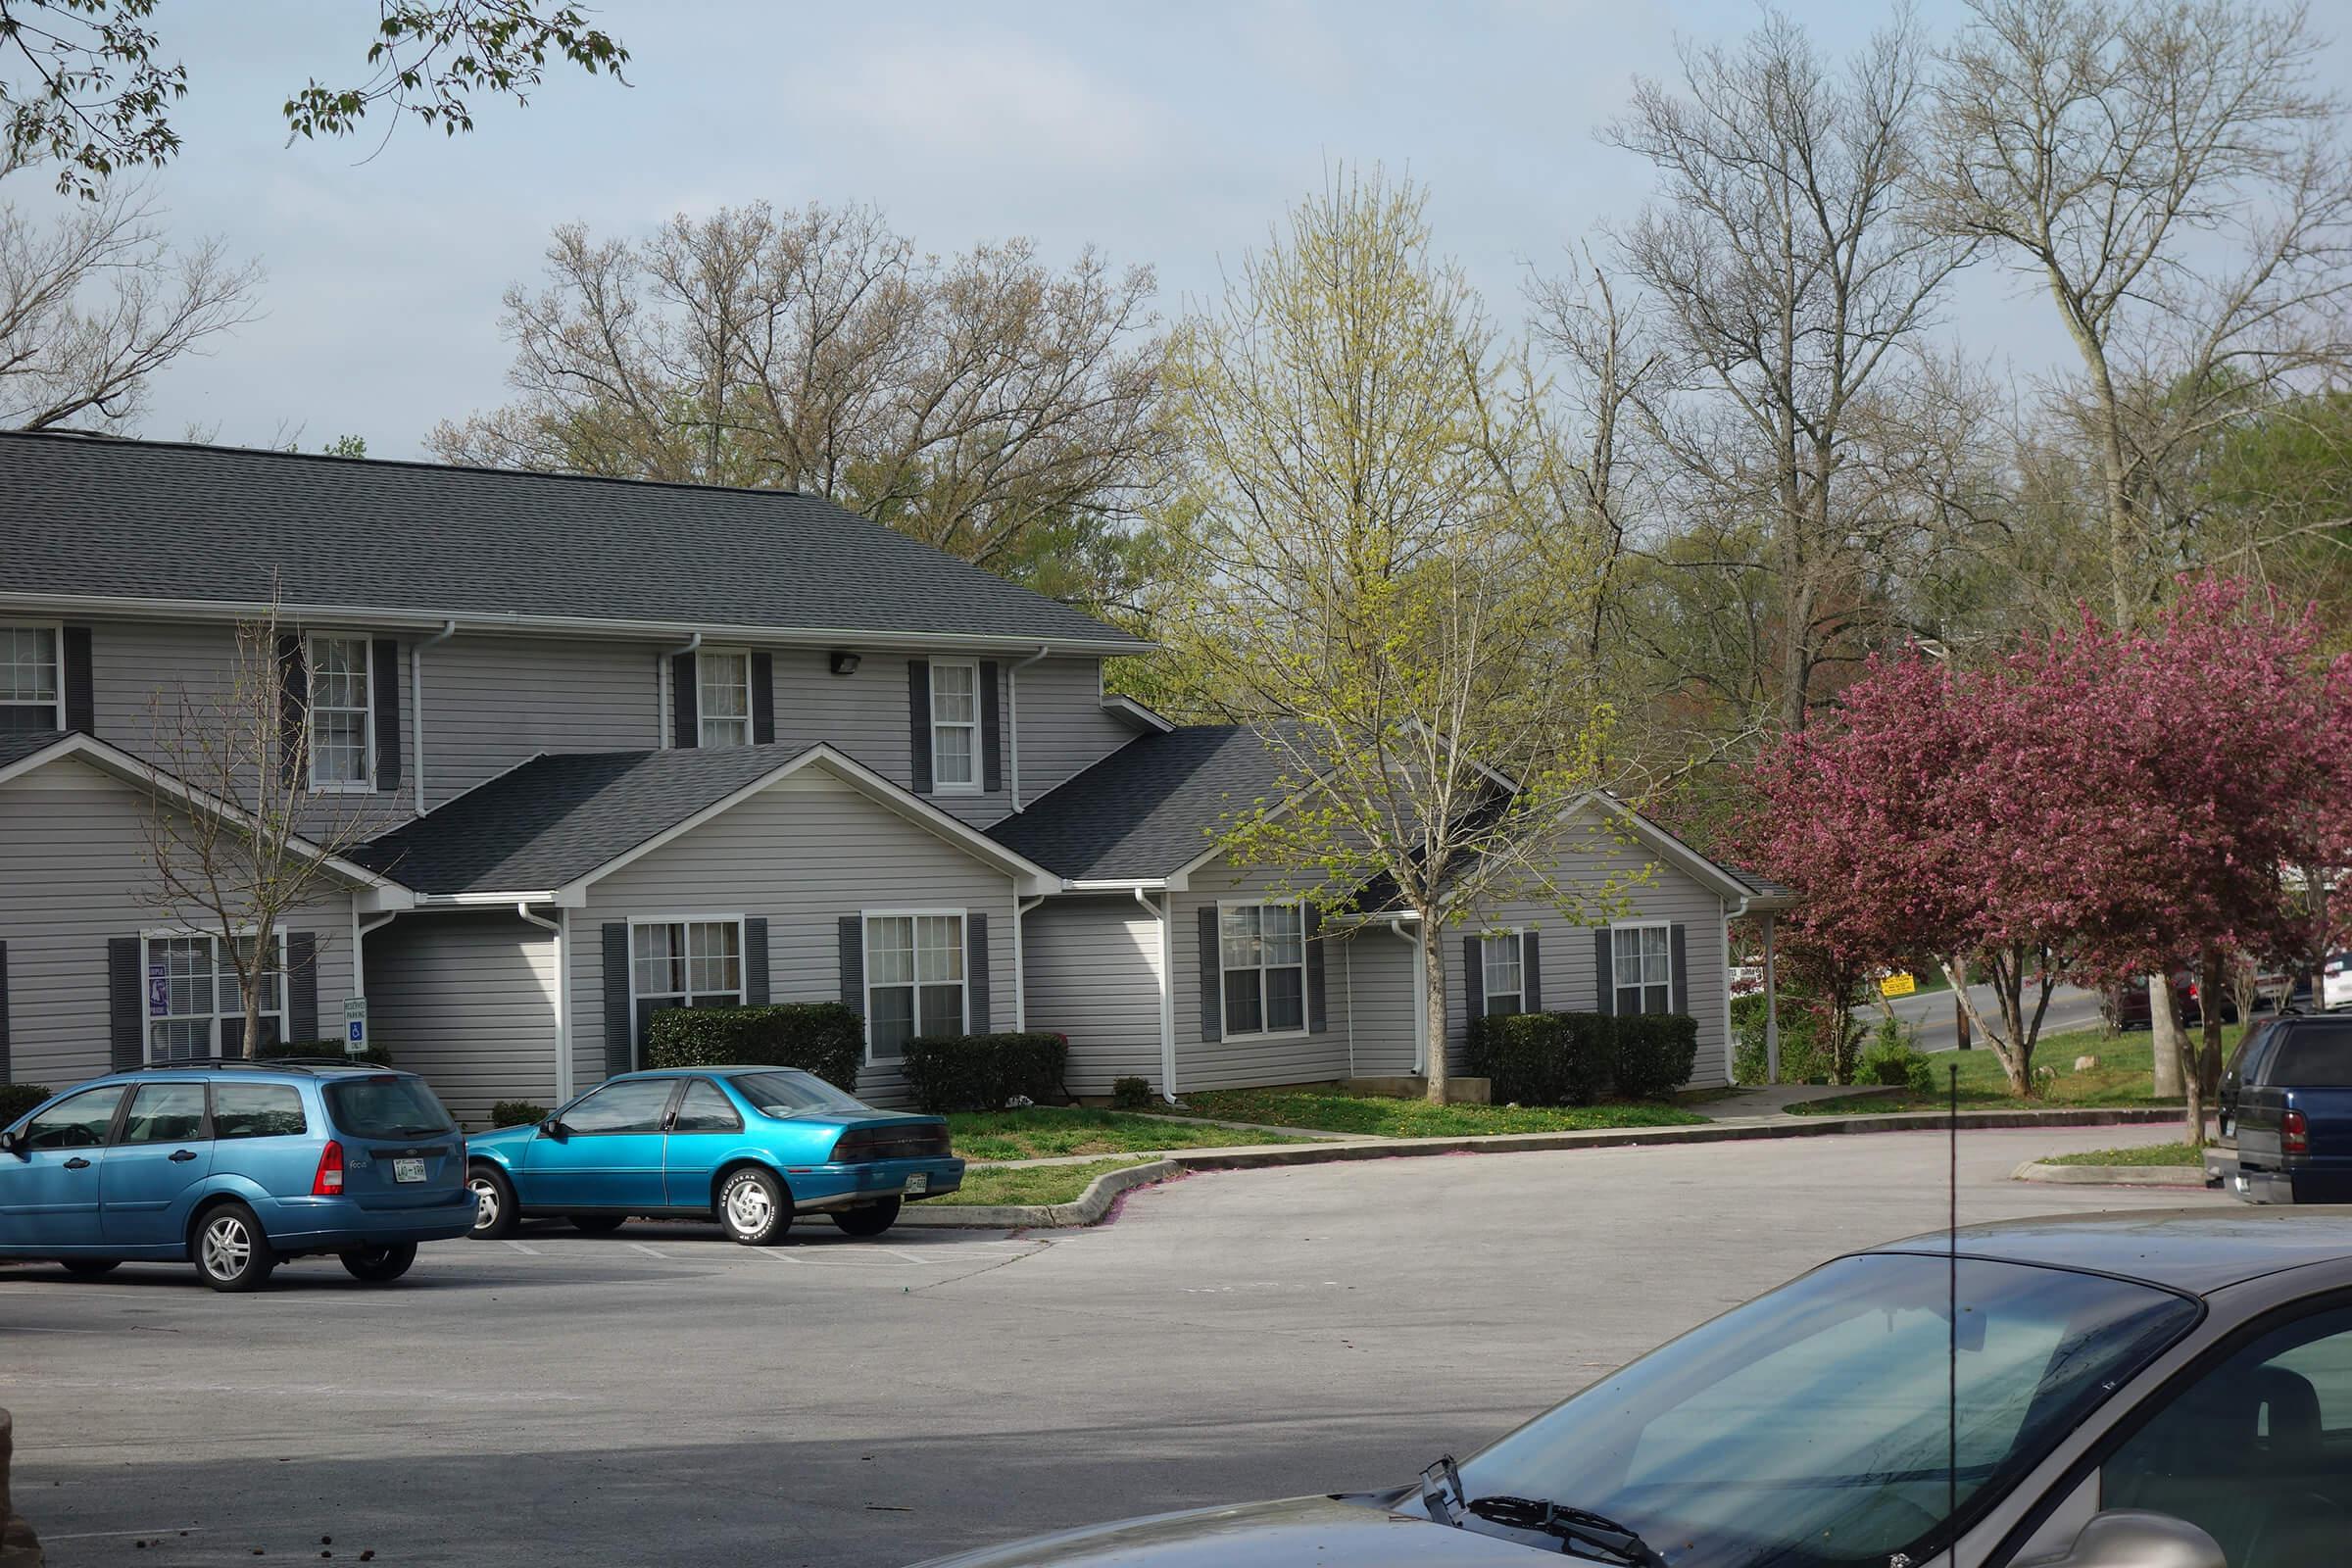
(237, 1166)
(748, 1147)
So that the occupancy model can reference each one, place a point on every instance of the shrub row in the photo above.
(320, 1050)
(18, 1099)
(824, 1037)
(1574, 1058)
(517, 1113)
(986, 1073)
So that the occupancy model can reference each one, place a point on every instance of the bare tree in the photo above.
(95, 302)
(238, 875)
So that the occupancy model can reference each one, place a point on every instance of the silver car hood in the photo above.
(1294, 1533)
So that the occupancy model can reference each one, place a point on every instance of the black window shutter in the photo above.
(1474, 979)
(125, 1004)
(1531, 971)
(1602, 981)
(975, 971)
(1318, 1017)
(621, 1050)
(1682, 975)
(853, 964)
(293, 701)
(81, 702)
(302, 986)
(919, 723)
(754, 960)
(764, 697)
(4, 1070)
(386, 682)
(991, 733)
(1212, 979)
(685, 702)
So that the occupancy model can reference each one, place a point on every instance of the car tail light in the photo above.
(328, 1183)
(2294, 1134)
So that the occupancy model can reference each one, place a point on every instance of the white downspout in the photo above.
(1020, 963)
(1164, 912)
(1013, 716)
(449, 629)
(669, 724)
(560, 925)
(359, 959)
(1419, 940)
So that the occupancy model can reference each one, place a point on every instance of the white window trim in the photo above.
(1306, 1003)
(283, 1013)
(977, 785)
(701, 714)
(743, 952)
(1616, 985)
(865, 967)
(57, 643)
(1486, 988)
(365, 784)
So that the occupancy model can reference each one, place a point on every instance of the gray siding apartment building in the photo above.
(594, 748)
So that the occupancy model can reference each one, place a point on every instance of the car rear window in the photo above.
(387, 1108)
(257, 1111)
(2314, 1057)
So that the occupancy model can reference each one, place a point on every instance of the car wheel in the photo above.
(378, 1266)
(232, 1251)
(868, 1219)
(753, 1207)
(89, 1268)
(496, 1212)
(597, 1224)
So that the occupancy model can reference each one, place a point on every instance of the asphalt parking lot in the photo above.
(663, 1396)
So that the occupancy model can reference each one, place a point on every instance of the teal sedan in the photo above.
(748, 1147)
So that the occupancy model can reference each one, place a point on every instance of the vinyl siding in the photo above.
(1250, 1061)
(802, 853)
(1380, 975)
(469, 1001)
(1065, 728)
(493, 702)
(1094, 975)
(75, 872)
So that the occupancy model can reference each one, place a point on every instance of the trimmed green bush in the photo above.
(18, 1099)
(824, 1037)
(1131, 1093)
(517, 1113)
(1803, 1060)
(1655, 1053)
(1544, 1059)
(985, 1072)
(1893, 1061)
(320, 1050)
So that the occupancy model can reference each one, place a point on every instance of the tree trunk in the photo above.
(2013, 1063)
(2164, 1025)
(2209, 990)
(1433, 996)
(254, 966)
(1959, 1005)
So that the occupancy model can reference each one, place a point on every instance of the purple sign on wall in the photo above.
(159, 990)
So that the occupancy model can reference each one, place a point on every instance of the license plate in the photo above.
(920, 1182)
(408, 1170)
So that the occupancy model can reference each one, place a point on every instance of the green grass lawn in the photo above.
(2144, 1154)
(1030, 1184)
(2122, 1079)
(1046, 1132)
(1331, 1110)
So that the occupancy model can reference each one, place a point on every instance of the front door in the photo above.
(165, 1148)
(610, 1154)
(49, 1189)
(704, 1131)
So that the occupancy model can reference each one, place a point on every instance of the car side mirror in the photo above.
(13, 1140)
(554, 1128)
(2125, 1537)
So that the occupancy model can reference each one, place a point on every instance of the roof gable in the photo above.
(1145, 811)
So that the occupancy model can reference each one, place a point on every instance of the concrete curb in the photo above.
(1096, 1201)
(2181, 1176)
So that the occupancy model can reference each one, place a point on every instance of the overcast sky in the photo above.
(1171, 134)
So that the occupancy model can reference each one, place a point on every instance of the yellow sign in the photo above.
(1897, 985)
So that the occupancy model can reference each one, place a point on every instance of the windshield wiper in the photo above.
(1571, 1528)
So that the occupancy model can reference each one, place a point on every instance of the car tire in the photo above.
(496, 1209)
(232, 1252)
(753, 1209)
(378, 1266)
(597, 1224)
(89, 1268)
(868, 1219)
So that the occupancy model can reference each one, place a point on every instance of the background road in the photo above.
(2071, 1007)
(660, 1397)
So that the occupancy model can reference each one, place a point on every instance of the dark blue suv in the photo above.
(235, 1166)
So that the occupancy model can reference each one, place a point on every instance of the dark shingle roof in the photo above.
(1147, 808)
(555, 819)
(16, 745)
(103, 518)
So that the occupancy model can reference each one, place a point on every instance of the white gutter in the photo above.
(1164, 912)
(1020, 964)
(560, 925)
(449, 629)
(1013, 714)
(664, 683)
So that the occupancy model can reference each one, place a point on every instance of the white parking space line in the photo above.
(649, 1252)
(527, 1252)
(105, 1535)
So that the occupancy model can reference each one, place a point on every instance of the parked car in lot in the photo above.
(2335, 981)
(2134, 1390)
(2286, 1112)
(2130, 1002)
(748, 1147)
(237, 1166)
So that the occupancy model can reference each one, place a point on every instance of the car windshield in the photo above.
(787, 1091)
(1808, 1428)
(387, 1108)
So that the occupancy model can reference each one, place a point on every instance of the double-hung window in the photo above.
(342, 716)
(1642, 968)
(1262, 949)
(1500, 962)
(684, 964)
(31, 684)
(955, 725)
(195, 1006)
(724, 696)
(914, 980)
